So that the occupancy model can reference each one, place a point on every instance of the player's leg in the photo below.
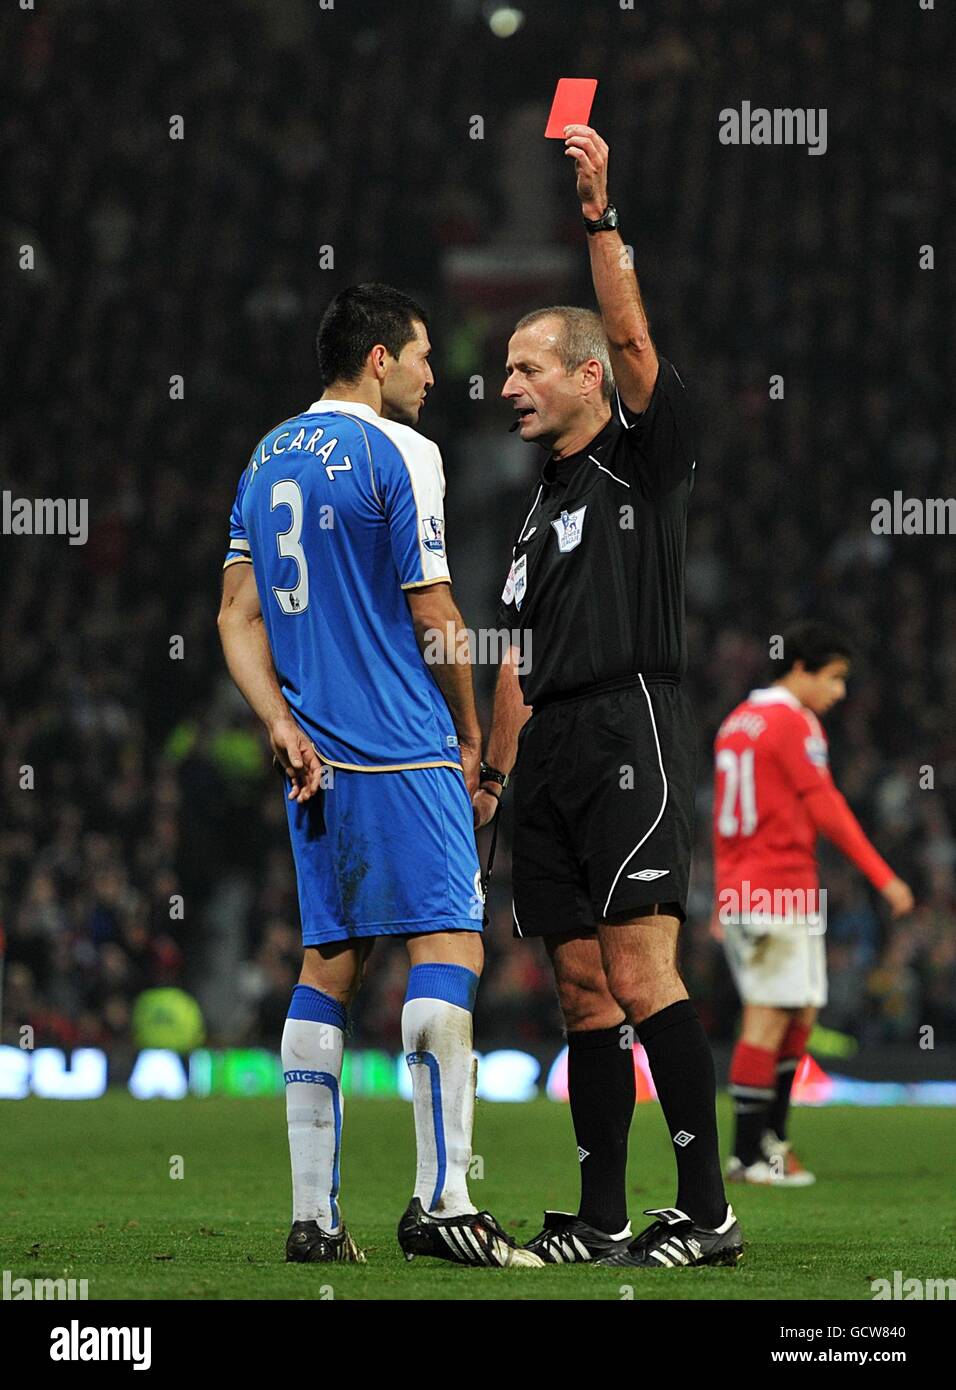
(313, 1043)
(789, 1053)
(337, 878)
(431, 884)
(441, 1220)
(780, 972)
(444, 969)
(753, 1078)
(776, 1143)
(601, 1089)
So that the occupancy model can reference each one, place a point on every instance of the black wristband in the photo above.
(607, 222)
(487, 773)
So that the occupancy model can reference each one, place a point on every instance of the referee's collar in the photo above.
(559, 470)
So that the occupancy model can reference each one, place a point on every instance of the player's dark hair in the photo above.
(359, 317)
(814, 643)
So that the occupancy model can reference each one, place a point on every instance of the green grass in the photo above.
(85, 1193)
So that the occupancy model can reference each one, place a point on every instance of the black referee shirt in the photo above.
(597, 579)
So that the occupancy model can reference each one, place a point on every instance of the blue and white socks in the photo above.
(312, 1047)
(437, 1037)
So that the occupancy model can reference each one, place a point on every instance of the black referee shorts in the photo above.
(604, 809)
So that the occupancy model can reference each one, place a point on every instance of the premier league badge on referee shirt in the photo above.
(568, 528)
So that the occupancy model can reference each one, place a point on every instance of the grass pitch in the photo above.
(86, 1193)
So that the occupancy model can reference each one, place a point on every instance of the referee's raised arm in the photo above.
(633, 357)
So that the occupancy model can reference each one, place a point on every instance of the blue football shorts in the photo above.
(386, 854)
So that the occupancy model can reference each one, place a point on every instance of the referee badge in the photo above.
(508, 592)
(521, 580)
(569, 527)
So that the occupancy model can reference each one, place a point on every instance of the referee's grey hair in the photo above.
(583, 338)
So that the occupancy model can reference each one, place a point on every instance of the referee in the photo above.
(605, 789)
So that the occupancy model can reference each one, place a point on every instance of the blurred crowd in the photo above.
(166, 322)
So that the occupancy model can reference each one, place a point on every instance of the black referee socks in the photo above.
(601, 1093)
(682, 1066)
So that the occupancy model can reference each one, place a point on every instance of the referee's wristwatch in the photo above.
(487, 773)
(607, 222)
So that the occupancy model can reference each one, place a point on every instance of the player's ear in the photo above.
(378, 358)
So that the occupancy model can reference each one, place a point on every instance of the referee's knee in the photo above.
(588, 1005)
(641, 996)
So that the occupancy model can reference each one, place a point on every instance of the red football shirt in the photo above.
(773, 796)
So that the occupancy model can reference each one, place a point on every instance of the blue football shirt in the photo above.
(339, 511)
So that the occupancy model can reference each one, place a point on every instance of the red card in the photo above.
(573, 98)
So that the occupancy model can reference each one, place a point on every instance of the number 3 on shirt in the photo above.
(739, 782)
(288, 494)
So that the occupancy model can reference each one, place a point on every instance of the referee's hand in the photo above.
(297, 757)
(589, 152)
(485, 805)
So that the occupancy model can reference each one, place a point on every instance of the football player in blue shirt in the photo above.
(336, 582)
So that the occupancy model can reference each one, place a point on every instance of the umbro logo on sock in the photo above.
(582, 1154)
(683, 1138)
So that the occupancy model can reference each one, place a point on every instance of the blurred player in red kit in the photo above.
(773, 796)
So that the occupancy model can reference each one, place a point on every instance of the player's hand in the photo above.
(899, 895)
(297, 758)
(485, 805)
(589, 152)
(470, 764)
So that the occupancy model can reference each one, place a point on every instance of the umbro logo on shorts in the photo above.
(645, 875)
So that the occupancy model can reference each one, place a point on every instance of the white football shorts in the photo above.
(780, 964)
